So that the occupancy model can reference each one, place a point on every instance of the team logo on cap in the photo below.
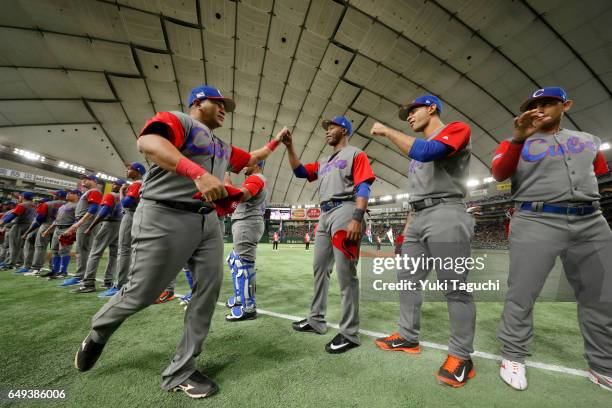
(538, 93)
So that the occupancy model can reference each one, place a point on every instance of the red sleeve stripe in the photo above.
(19, 209)
(238, 159)
(94, 197)
(599, 164)
(505, 160)
(42, 209)
(362, 171)
(254, 184)
(313, 170)
(455, 135)
(166, 125)
(133, 190)
(108, 200)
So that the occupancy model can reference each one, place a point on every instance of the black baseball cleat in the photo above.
(84, 289)
(303, 326)
(455, 372)
(88, 354)
(339, 344)
(197, 386)
(395, 342)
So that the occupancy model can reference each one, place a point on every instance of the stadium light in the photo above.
(488, 180)
(604, 146)
(473, 183)
(386, 198)
(29, 155)
(106, 177)
(73, 167)
(372, 200)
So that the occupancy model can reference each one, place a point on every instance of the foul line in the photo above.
(428, 344)
(481, 354)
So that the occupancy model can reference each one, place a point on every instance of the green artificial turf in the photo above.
(264, 363)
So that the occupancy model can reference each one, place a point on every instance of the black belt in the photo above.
(194, 208)
(111, 220)
(430, 202)
(331, 204)
(577, 208)
(63, 225)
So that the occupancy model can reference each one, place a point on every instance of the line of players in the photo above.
(557, 214)
(96, 222)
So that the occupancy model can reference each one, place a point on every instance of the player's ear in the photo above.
(567, 105)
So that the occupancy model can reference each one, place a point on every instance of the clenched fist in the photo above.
(378, 129)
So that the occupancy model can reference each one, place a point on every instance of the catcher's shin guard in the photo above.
(234, 262)
(245, 280)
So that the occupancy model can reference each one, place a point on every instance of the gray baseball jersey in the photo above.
(446, 177)
(254, 206)
(66, 214)
(53, 207)
(196, 142)
(112, 201)
(339, 173)
(556, 167)
(28, 215)
(90, 196)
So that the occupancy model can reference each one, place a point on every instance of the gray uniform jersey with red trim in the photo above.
(557, 167)
(440, 178)
(28, 215)
(116, 210)
(254, 206)
(66, 214)
(52, 209)
(199, 145)
(335, 175)
(82, 205)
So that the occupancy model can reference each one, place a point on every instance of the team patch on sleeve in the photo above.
(362, 171)
(238, 159)
(167, 125)
(455, 135)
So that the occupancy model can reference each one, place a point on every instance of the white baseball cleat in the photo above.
(603, 381)
(513, 374)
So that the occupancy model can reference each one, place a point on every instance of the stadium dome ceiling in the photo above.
(80, 77)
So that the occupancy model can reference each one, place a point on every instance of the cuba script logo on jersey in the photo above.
(335, 163)
(200, 142)
(538, 149)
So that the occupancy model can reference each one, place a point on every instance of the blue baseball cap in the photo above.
(45, 199)
(554, 92)
(28, 195)
(425, 100)
(340, 121)
(139, 168)
(90, 176)
(119, 182)
(75, 191)
(60, 193)
(208, 92)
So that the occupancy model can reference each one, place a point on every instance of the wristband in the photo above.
(187, 168)
(358, 214)
(272, 144)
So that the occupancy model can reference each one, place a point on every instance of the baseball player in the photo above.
(247, 229)
(129, 196)
(109, 216)
(344, 178)
(168, 294)
(171, 229)
(85, 212)
(21, 217)
(275, 239)
(6, 229)
(439, 228)
(556, 196)
(45, 215)
(307, 241)
(61, 242)
(28, 238)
